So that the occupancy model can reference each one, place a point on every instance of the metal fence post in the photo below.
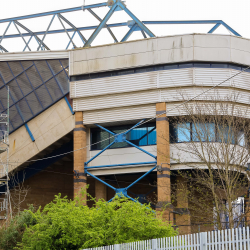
(154, 244)
(203, 241)
(117, 247)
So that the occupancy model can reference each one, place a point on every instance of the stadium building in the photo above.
(72, 113)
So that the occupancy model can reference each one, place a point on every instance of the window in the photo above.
(141, 136)
(205, 132)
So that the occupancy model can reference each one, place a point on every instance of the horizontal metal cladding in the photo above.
(119, 114)
(112, 85)
(157, 80)
(176, 109)
(116, 100)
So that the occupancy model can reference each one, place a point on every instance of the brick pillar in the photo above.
(100, 190)
(247, 209)
(80, 156)
(163, 160)
(183, 215)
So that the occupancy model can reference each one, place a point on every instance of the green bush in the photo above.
(65, 224)
(11, 232)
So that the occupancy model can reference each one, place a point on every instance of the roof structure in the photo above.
(23, 31)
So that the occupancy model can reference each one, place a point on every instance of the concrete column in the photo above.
(100, 190)
(80, 156)
(183, 215)
(163, 160)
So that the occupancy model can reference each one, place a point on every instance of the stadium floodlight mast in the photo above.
(114, 5)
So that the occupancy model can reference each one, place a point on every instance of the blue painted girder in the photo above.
(120, 138)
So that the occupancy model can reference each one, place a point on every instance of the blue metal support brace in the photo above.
(129, 33)
(67, 101)
(217, 25)
(139, 23)
(120, 138)
(29, 132)
(101, 25)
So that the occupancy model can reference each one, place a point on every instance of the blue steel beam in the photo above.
(32, 34)
(146, 152)
(58, 31)
(86, 163)
(101, 25)
(105, 129)
(29, 132)
(139, 23)
(123, 164)
(141, 177)
(2, 48)
(105, 183)
(129, 33)
(74, 27)
(136, 125)
(100, 20)
(53, 12)
(214, 28)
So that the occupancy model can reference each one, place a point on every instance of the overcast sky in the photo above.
(235, 13)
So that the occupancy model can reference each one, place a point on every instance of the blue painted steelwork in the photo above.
(67, 101)
(120, 138)
(29, 132)
(31, 90)
(135, 25)
(122, 164)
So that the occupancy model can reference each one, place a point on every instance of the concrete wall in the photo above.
(47, 128)
(179, 48)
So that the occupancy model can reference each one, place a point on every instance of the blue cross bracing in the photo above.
(72, 31)
(121, 138)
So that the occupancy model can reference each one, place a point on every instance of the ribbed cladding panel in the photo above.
(184, 94)
(175, 78)
(242, 80)
(115, 84)
(116, 100)
(211, 77)
(119, 114)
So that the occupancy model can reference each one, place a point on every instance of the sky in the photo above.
(234, 13)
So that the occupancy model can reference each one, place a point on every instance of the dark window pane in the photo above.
(225, 134)
(202, 65)
(203, 132)
(186, 65)
(219, 65)
(235, 67)
(183, 132)
(99, 135)
(171, 66)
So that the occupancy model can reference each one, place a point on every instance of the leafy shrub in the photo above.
(12, 232)
(65, 224)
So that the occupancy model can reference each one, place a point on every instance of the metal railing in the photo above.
(232, 239)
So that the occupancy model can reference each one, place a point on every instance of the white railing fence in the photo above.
(230, 239)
